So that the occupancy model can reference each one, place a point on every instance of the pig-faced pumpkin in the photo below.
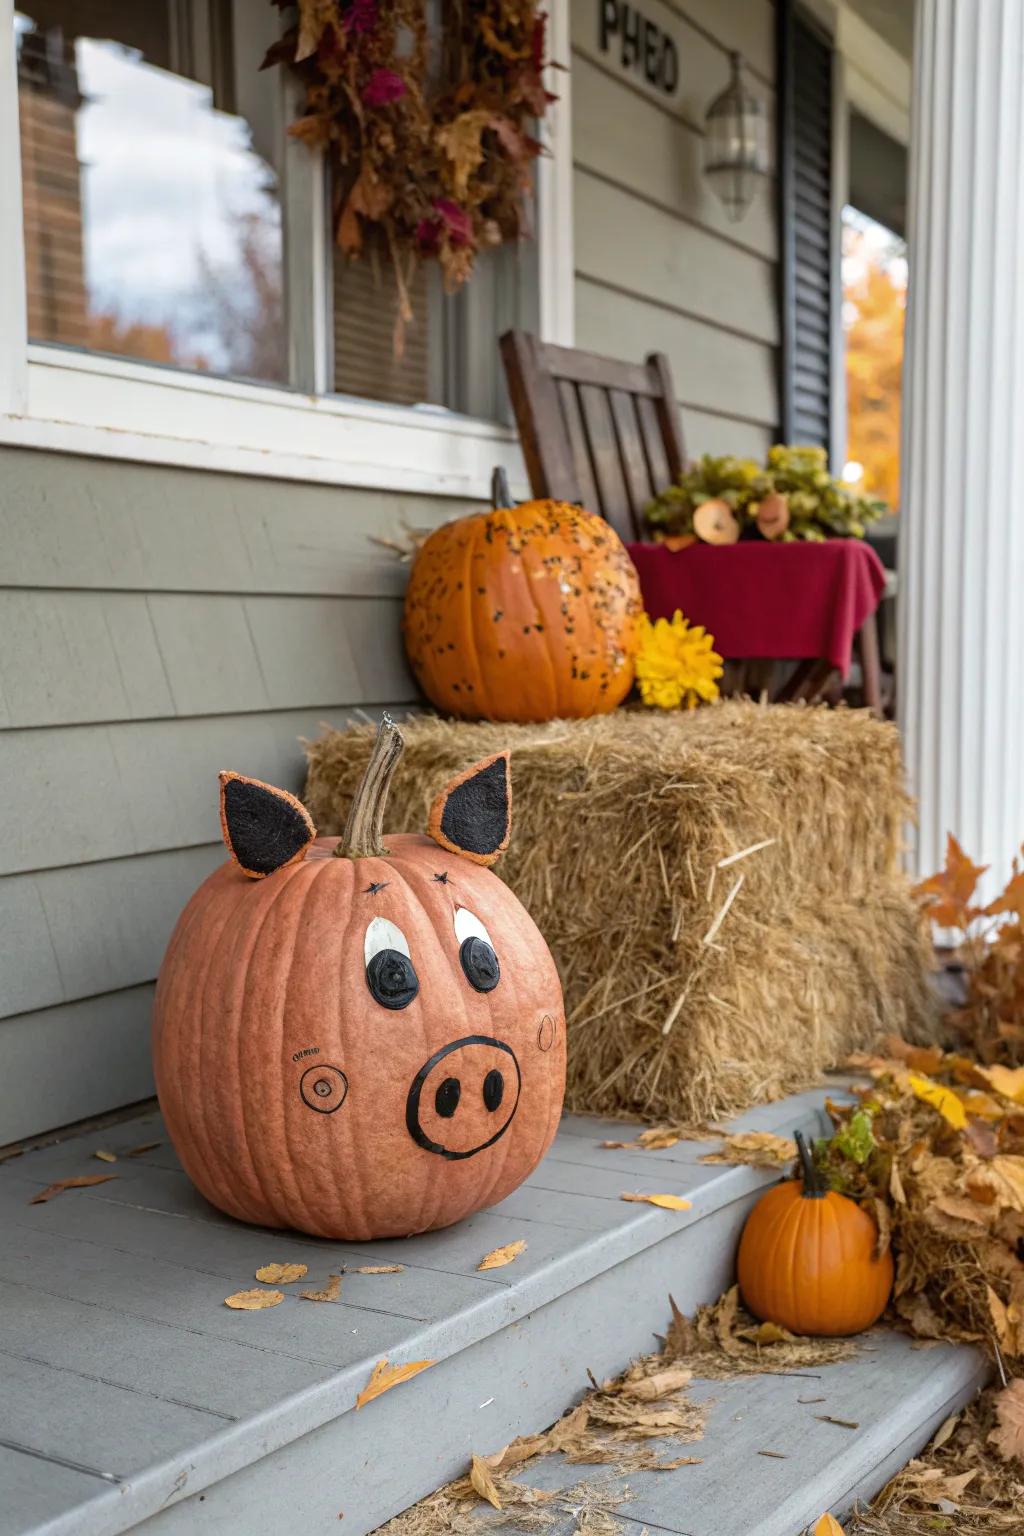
(356, 1041)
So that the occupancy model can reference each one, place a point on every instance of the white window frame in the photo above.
(69, 401)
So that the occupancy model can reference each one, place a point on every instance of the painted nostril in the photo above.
(494, 1090)
(446, 1099)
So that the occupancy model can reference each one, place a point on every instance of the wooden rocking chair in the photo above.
(609, 436)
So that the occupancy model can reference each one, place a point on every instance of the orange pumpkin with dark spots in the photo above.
(527, 613)
(356, 1040)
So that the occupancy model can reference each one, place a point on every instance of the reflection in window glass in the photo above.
(152, 220)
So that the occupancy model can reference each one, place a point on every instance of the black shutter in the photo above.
(805, 225)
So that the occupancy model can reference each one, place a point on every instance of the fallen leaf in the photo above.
(883, 1221)
(483, 1482)
(828, 1525)
(147, 1146)
(919, 1058)
(999, 1182)
(498, 1257)
(775, 1455)
(1008, 1438)
(1009, 1081)
(380, 1269)
(766, 1333)
(896, 1190)
(812, 1399)
(756, 1149)
(105, 1156)
(383, 1377)
(330, 1292)
(667, 1202)
(942, 1099)
(982, 1138)
(281, 1274)
(254, 1300)
(84, 1181)
(826, 1418)
(647, 1389)
(944, 1431)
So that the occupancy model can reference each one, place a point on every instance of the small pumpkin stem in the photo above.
(364, 830)
(815, 1183)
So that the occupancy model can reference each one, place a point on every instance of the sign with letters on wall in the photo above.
(641, 42)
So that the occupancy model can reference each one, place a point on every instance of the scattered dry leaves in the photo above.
(756, 1149)
(84, 1181)
(330, 1292)
(254, 1300)
(383, 1377)
(666, 1202)
(281, 1274)
(146, 1146)
(105, 1156)
(656, 1138)
(499, 1257)
(1008, 1436)
(380, 1269)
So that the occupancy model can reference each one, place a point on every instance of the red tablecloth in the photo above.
(760, 599)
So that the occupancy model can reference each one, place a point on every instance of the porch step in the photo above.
(133, 1399)
(770, 1464)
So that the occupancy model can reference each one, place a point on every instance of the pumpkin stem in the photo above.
(364, 831)
(815, 1183)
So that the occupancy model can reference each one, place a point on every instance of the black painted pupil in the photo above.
(391, 978)
(494, 1089)
(446, 1099)
(480, 964)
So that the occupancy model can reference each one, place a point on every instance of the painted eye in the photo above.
(389, 969)
(476, 952)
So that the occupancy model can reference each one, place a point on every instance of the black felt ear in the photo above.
(473, 814)
(264, 828)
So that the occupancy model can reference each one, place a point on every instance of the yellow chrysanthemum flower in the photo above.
(676, 664)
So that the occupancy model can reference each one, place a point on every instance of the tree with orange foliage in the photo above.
(875, 300)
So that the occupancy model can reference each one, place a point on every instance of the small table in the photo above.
(802, 601)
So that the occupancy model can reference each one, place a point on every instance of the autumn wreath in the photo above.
(427, 127)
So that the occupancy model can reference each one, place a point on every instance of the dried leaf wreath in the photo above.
(427, 130)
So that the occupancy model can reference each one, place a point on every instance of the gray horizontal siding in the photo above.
(656, 155)
(659, 266)
(77, 657)
(156, 625)
(713, 370)
(68, 1063)
(625, 242)
(101, 523)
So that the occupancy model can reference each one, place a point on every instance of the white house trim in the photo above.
(68, 401)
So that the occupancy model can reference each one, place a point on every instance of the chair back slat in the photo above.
(654, 444)
(573, 419)
(612, 497)
(594, 430)
(631, 450)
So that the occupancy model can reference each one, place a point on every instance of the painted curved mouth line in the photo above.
(412, 1103)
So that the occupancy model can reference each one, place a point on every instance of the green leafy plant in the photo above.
(820, 506)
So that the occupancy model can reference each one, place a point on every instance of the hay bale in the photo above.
(620, 825)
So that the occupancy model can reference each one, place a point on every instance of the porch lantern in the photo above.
(735, 143)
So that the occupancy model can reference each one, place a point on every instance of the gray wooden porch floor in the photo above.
(132, 1396)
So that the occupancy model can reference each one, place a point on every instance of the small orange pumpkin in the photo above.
(807, 1258)
(357, 1041)
(527, 613)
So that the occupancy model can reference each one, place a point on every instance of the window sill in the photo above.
(193, 421)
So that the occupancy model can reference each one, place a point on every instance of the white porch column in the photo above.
(961, 549)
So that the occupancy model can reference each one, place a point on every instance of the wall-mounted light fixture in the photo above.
(735, 143)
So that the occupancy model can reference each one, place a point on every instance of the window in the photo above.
(180, 301)
(150, 168)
